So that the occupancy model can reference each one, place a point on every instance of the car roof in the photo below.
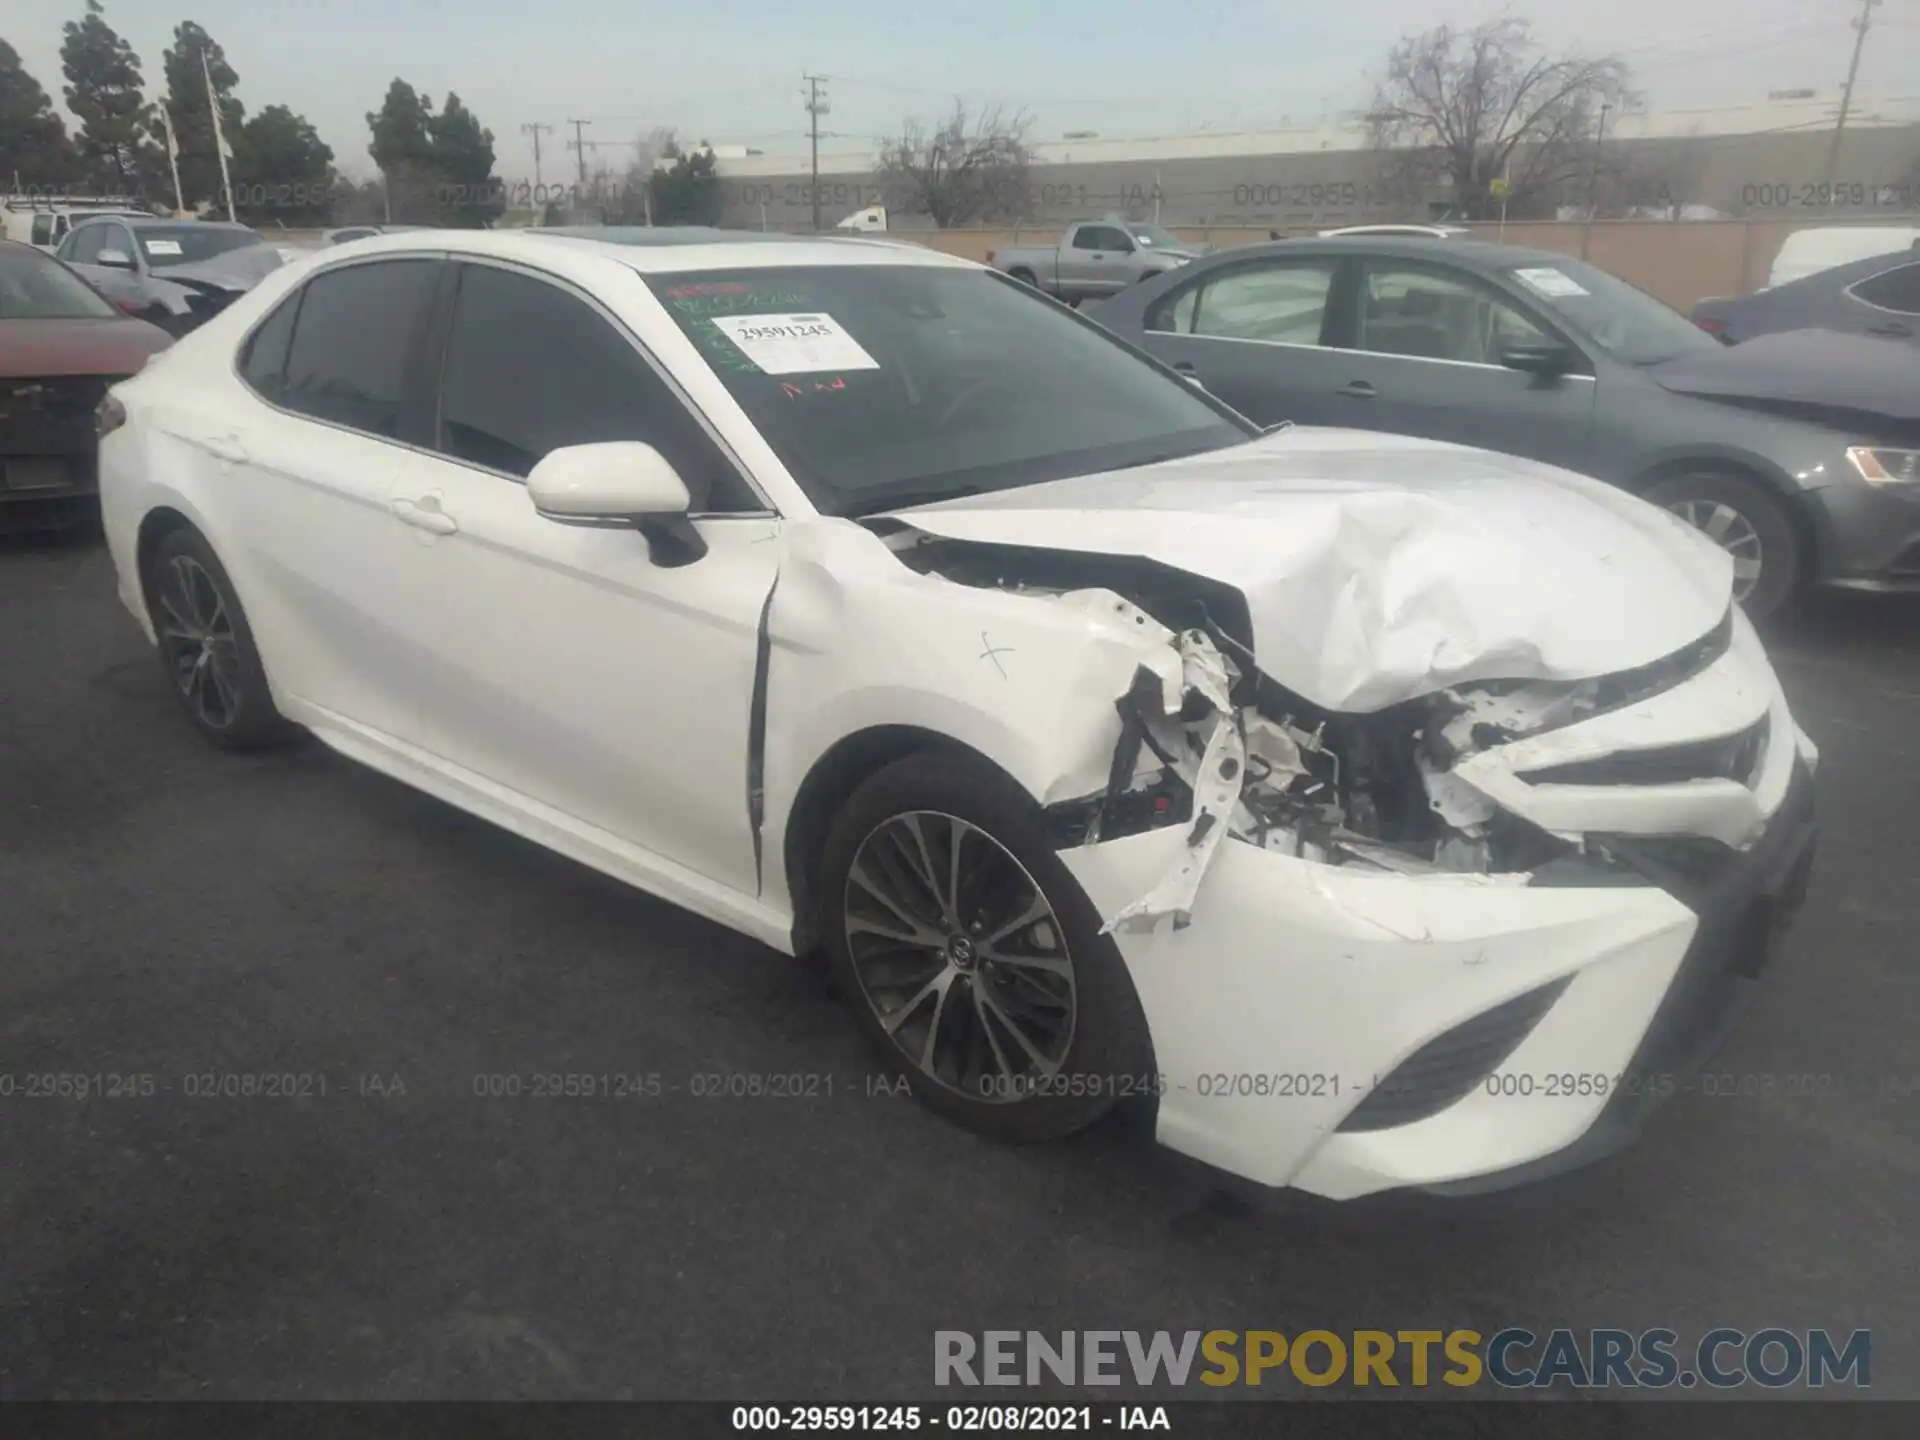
(663, 248)
(149, 222)
(1481, 255)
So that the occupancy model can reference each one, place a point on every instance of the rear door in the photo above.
(337, 371)
(1252, 332)
(1419, 354)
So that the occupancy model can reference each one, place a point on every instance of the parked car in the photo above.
(1533, 353)
(1429, 232)
(347, 233)
(1878, 296)
(1095, 258)
(175, 273)
(61, 346)
(863, 601)
(1821, 247)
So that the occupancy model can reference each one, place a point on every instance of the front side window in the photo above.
(1153, 236)
(84, 245)
(36, 287)
(1100, 237)
(531, 368)
(354, 343)
(43, 230)
(1897, 289)
(887, 385)
(1285, 303)
(1433, 315)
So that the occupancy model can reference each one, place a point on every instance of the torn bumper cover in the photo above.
(1456, 943)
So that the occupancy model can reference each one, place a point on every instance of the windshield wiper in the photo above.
(905, 499)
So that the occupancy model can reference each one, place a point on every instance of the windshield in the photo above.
(1154, 235)
(167, 245)
(880, 386)
(36, 287)
(1628, 324)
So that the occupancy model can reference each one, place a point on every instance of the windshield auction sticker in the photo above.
(795, 344)
(1554, 284)
(163, 247)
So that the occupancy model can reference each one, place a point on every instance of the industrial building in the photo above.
(1762, 161)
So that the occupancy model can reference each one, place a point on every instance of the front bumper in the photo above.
(1504, 1029)
(1872, 534)
(48, 452)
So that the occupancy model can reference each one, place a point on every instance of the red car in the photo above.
(61, 346)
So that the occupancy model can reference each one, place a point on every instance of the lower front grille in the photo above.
(1444, 1070)
(1735, 757)
(53, 416)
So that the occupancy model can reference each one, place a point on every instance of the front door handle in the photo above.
(425, 514)
(1358, 390)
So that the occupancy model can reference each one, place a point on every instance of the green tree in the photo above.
(283, 170)
(186, 102)
(34, 149)
(462, 158)
(687, 192)
(403, 149)
(104, 89)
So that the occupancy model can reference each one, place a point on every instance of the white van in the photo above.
(44, 225)
(1807, 252)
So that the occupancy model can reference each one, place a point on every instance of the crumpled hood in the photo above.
(240, 269)
(1378, 568)
(1858, 374)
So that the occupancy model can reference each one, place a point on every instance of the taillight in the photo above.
(109, 416)
(1712, 324)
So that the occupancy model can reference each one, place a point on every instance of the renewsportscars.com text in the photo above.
(1513, 1358)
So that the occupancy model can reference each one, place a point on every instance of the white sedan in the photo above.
(1384, 813)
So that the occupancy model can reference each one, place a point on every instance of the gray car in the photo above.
(174, 273)
(1799, 453)
(1877, 296)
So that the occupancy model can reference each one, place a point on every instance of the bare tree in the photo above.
(1486, 104)
(970, 166)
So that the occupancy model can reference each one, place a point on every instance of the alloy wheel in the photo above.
(196, 630)
(960, 956)
(1732, 532)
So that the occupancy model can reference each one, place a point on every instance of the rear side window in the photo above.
(530, 367)
(264, 365)
(1284, 302)
(354, 341)
(43, 230)
(1896, 289)
(1100, 237)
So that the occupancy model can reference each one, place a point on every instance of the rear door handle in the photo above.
(425, 514)
(1358, 390)
(1185, 367)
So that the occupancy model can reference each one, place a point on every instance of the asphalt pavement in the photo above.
(387, 1220)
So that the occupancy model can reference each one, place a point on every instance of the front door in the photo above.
(565, 664)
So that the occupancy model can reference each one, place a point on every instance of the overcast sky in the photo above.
(730, 70)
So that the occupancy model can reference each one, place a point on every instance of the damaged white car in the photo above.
(1384, 813)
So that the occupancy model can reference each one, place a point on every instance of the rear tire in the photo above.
(972, 960)
(206, 646)
(1746, 519)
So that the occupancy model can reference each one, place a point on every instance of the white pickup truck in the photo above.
(1095, 258)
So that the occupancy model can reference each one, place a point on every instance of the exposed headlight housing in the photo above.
(1881, 466)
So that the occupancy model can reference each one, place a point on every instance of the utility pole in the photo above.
(1846, 95)
(1593, 182)
(534, 128)
(580, 148)
(816, 107)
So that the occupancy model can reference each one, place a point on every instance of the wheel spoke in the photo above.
(858, 874)
(1721, 520)
(920, 860)
(918, 939)
(945, 982)
(986, 1029)
(997, 1011)
(1054, 965)
(894, 1019)
(1037, 909)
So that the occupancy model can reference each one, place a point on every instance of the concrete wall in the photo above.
(1679, 262)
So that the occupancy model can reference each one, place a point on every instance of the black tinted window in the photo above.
(351, 348)
(1893, 290)
(531, 368)
(1100, 237)
(265, 363)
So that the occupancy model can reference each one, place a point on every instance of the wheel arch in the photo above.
(1808, 520)
(840, 770)
(155, 526)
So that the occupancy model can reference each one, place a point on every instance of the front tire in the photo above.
(206, 646)
(972, 959)
(1747, 521)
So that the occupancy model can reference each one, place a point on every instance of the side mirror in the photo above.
(615, 483)
(114, 259)
(1538, 358)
